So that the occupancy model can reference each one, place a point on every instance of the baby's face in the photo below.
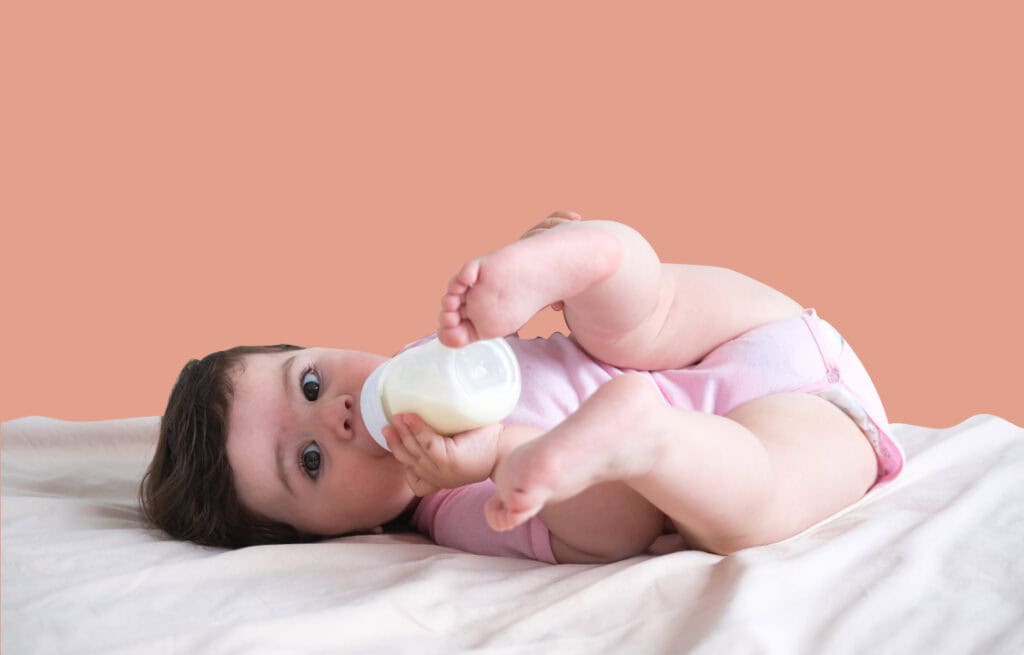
(299, 450)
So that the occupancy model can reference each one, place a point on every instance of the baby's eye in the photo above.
(309, 460)
(310, 385)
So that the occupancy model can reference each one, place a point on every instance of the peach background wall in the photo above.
(183, 177)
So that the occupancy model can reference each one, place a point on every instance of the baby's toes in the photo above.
(454, 329)
(452, 302)
(451, 311)
(465, 278)
(456, 333)
(516, 499)
(502, 516)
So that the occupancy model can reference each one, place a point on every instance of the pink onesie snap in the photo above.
(803, 354)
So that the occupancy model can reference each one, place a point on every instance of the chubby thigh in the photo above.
(781, 463)
(771, 468)
(821, 461)
(693, 309)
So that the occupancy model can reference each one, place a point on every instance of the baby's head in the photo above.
(265, 444)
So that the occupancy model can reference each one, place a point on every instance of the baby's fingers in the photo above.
(396, 446)
(403, 444)
(406, 450)
(552, 220)
(566, 214)
(431, 445)
(420, 444)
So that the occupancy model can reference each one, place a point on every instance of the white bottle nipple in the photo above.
(372, 408)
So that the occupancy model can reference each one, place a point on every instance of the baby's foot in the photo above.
(555, 218)
(614, 438)
(495, 295)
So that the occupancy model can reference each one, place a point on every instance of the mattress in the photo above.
(931, 562)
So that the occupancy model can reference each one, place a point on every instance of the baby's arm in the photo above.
(436, 462)
(433, 461)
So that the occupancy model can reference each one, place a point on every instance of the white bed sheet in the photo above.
(928, 564)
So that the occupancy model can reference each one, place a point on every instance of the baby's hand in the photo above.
(434, 462)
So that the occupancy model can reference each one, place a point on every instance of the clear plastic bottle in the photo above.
(451, 389)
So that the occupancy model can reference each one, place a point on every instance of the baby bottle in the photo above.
(451, 389)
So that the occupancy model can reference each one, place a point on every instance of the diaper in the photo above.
(847, 385)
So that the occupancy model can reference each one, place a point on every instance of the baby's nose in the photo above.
(344, 420)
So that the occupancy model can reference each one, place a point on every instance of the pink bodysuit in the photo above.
(803, 353)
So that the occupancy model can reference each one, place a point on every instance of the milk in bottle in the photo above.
(451, 389)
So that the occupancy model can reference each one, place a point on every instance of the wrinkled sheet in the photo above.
(931, 563)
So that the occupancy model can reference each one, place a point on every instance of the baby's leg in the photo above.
(767, 471)
(622, 304)
(495, 295)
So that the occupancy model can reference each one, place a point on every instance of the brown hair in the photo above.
(188, 489)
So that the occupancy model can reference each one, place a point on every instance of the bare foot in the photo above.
(553, 219)
(587, 448)
(495, 295)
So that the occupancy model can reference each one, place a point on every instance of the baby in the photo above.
(688, 399)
